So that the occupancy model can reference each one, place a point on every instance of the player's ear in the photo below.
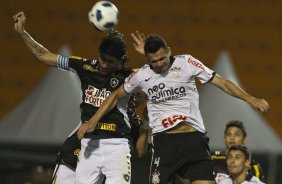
(169, 51)
(247, 163)
(245, 141)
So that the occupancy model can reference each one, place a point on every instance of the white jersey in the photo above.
(172, 95)
(249, 180)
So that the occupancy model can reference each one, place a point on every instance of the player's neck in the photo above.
(237, 179)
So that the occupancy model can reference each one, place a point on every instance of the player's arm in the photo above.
(106, 107)
(138, 42)
(143, 139)
(41, 53)
(232, 89)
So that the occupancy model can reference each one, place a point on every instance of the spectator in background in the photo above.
(238, 161)
(234, 134)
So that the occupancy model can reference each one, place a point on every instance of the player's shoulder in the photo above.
(225, 180)
(144, 71)
(218, 155)
(253, 179)
(79, 58)
(82, 60)
(127, 71)
(183, 59)
(144, 68)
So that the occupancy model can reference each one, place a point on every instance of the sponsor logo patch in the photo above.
(172, 119)
(95, 96)
(89, 68)
(106, 126)
(161, 93)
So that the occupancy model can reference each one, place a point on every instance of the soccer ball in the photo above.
(104, 15)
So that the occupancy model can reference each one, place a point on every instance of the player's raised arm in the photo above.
(41, 53)
(138, 42)
(233, 90)
(106, 107)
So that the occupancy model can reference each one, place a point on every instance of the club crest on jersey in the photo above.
(76, 152)
(114, 82)
(176, 71)
(156, 177)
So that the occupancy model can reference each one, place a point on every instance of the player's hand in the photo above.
(84, 128)
(259, 104)
(19, 20)
(138, 42)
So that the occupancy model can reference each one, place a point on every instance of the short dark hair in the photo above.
(237, 124)
(113, 44)
(153, 43)
(241, 148)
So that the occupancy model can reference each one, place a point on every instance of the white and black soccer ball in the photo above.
(104, 15)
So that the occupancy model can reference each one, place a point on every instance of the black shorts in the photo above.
(185, 154)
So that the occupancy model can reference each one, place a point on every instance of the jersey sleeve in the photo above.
(256, 170)
(199, 70)
(70, 63)
(132, 83)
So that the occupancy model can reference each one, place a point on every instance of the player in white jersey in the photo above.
(179, 141)
(238, 161)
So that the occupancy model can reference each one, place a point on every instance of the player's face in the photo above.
(236, 162)
(107, 64)
(233, 137)
(160, 60)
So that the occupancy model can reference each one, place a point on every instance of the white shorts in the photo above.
(65, 175)
(110, 157)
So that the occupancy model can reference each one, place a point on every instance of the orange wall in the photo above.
(250, 30)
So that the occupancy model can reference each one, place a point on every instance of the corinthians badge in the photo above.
(114, 82)
(176, 71)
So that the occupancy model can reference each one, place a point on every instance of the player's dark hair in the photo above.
(237, 124)
(113, 44)
(153, 43)
(241, 148)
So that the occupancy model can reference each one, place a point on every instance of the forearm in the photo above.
(36, 49)
(142, 143)
(234, 90)
(40, 52)
(106, 107)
